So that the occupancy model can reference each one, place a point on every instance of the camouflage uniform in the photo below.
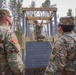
(62, 53)
(10, 57)
(38, 32)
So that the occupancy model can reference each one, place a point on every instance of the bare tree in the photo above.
(33, 5)
(15, 6)
(3, 3)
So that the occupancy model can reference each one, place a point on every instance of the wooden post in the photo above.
(26, 29)
(48, 29)
(55, 23)
(51, 28)
(23, 40)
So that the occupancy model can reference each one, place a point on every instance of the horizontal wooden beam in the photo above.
(39, 9)
(38, 18)
(45, 23)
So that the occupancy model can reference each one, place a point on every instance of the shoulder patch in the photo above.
(15, 40)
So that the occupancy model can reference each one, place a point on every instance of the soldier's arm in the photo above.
(57, 60)
(14, 58)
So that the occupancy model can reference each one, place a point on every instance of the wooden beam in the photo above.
(39, 23)
(39, 9)
(52, 14)
(26, 14)
(38, 18)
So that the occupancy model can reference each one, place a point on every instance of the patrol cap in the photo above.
(6, 11)
(66, 20)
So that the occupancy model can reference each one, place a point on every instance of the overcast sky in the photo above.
(62, 5)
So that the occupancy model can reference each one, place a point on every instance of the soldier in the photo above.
(63, 55)
(10, 56)
(40, 31)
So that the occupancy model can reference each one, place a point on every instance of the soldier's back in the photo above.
(3, 62)
(70, 43)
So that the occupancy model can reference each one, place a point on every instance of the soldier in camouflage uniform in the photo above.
(10, 56)
(38, 31)
(63, 55)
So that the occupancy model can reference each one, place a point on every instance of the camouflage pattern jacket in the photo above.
(40, 33)
(10, 56)
(37, 30)
(62, 54)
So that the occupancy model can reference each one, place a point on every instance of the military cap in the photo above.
(66, 21)
(6, 11)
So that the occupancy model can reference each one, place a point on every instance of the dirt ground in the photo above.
(35, 71)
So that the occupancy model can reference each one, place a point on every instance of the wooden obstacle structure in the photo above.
(25, 52)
